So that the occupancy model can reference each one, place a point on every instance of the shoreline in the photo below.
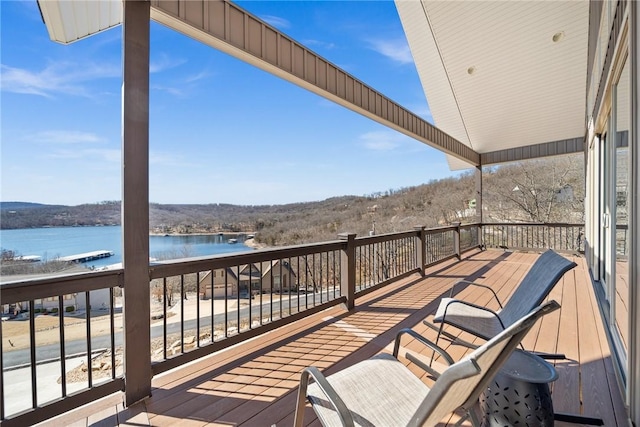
(216, 233)
(254, 245)
(249, 242)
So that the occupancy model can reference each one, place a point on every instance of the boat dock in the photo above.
(86, 257)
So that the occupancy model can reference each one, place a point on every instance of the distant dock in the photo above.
(86, 257)
(29, 258)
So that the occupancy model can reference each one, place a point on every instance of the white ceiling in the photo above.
(524, 88)
(70, 20)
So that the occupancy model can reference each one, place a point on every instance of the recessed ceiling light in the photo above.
(558, 36)
(471, 70)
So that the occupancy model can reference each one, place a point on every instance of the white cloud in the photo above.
(318, 43)
(175, 91)
(197, 76)
(68, 78)
(163, 62)
(160, 158)
(183, 86)
(65, 137)
(276, 21)
(382, 140)
(397, 50)
(73, 145)
(92, 154)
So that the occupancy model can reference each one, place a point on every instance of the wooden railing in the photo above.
(35, 383)
(238, 296)
(516, 236)
(202, 305)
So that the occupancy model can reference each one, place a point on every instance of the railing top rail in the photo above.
(537, 224)
(26, 290)
(367, 240)
(197, 264)
(470, 225)
(436, 230)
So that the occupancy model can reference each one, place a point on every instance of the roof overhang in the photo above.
(501, 75)
(226, 27)
(71, 20)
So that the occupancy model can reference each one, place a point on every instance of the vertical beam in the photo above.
(479, 208)
(348, 269)
(135, 198)
(633, 385)
(478, 177)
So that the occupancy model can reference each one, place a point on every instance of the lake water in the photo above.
(51, 243)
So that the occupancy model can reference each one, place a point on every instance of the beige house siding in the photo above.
(221, 285)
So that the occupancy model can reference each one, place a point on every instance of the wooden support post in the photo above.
(348, 269)
(135, 199)
(421, 245)
(479, 208)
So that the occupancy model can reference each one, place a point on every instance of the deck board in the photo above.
(255, 383)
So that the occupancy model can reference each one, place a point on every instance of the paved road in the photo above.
(52, 351)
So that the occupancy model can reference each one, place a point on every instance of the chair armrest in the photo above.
(480, 285)
(331, 394)
(469, 304)
(433, 346)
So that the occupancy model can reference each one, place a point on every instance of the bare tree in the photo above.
(544, 190)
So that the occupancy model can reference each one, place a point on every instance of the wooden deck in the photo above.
(254, 383)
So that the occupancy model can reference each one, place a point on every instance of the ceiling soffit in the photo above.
(69, 21)
(494, 76)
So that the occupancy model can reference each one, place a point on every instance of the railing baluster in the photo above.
(112, 306)
(164, 317)
(181, 313)
(226, 302)
(213, 310)
(261, 276)
(32, 353)
(198, 308)
(306, 283)
(88, 317)
(261, 293)
(288, 284)
(298, 279)
(250, 304)
(63, 370)
(238, 297)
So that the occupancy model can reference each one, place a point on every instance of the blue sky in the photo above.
(221, 130)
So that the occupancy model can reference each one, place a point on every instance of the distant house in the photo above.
(98, 299)
(222, 282)
(263, 277)
(275, 276)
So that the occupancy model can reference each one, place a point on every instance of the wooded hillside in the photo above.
(550, 190)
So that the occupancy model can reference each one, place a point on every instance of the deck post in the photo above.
(479, 209)
(421, 245)
(348, 269)
(135, 199)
